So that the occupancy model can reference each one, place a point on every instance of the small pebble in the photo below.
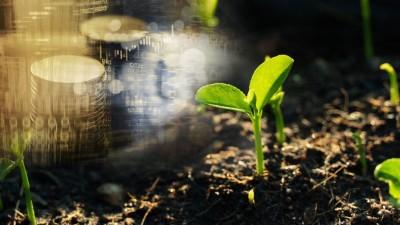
(111, 193)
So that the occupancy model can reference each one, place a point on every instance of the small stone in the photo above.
(111, 193)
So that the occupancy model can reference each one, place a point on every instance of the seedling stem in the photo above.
(27, 189)
(361, 152)
(256, 120)
(280, 125)
(17, 147)
(366, 17)
(394, 89)
(275, 103)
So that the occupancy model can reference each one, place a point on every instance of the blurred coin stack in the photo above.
(53, 88)
(68, 109)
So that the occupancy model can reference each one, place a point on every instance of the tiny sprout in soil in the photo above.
(250, 196)
(361, 152)
(389, 171)
(264, 84)
(17, 147)
(275, 103)
(394, 89)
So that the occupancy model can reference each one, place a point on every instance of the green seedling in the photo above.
(275, 104)
(17, 147)
(250, 196)
(366, 18)
(394, 89)
(389, 171)
(206, 11)
(265, 82)
(361, 152)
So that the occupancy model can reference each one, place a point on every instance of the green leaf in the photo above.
(277, 98)
(6, 166)
(389, 171)
(251, 98)
(269, 77)
(223, 96)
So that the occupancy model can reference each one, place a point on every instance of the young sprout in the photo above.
(394, 89)
(17, 147)
(275, 104)
(366, 18)
(250, 196)
(206, 10)
(361, 152)
(265, 82)
(389, 171)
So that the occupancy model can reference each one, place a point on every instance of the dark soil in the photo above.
(313, 178)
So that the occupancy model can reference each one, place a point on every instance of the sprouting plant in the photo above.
(389, 171)
(17, 147)
(366, 18)
(361, 152)
(206, 10)
(275, 104)
(394, 89)
(265, 82)
(250, 196)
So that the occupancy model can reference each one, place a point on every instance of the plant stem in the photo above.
(28, 198)
(257, 141)
(366, 17)
(363, 161)
(394, 89)
(361, 152)
(280, 124)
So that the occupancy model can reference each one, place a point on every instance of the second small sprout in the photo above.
(275, 104)
(394, 89)
(361, 152)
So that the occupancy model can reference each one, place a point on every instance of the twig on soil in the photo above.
(145, 215)
(150, 205)
(308, 173)
(18, 220)
(230, 215)
(152, 187)
(325, 180)
(21, 191)
(231, 177)
(212, 205)
(378, 190)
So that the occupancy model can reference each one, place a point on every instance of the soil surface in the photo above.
(313, 178)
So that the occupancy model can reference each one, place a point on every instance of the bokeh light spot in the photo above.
(179, 25)
(116, 86)
(152, 27)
